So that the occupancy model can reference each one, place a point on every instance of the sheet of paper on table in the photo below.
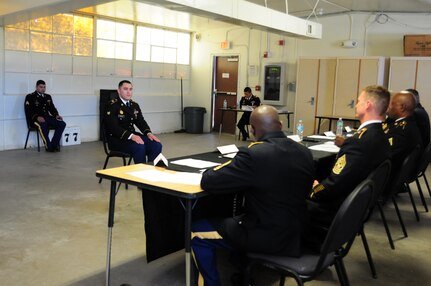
(226, 149)
(168, 177)
(327, 147)
(294, 138)
(195, 163)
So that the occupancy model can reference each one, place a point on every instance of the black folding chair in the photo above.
(399, 178)
(342, 232)
(380, 178)
(422, 167)
(111, 153)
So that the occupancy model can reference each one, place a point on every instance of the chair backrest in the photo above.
(424, 160)
(104, 137)
(380, 177)
(348, 220)
(30, 124)
(406, 173)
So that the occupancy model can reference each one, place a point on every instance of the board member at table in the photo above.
(274, 173)
(359, 155)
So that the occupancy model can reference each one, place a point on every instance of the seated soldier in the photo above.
(422, 118)
(402, 131)
(247, 100)
(359, 155)
(42, 114)
(274, 174)
(122, 115)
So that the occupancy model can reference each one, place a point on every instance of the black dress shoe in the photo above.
(50, 149)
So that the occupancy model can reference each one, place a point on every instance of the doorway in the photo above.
(225, 86)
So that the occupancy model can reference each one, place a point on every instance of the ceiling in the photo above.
(136, 10)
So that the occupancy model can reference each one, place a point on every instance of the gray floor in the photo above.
(53, 226)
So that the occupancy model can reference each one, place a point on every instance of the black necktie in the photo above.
(128, 104)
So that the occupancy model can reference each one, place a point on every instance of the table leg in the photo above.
(188, 241)
(221, 124)
(288, 120)
(188, 222)
(110, 226)
(318, 125)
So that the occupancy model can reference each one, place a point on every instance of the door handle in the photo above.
(311, 101)
(352, 103)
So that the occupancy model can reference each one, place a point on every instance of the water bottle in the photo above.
(339, 127)
(300, 129)
(225, 103)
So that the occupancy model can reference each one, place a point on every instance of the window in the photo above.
(61, 34)
(162, 46)
(114, 40)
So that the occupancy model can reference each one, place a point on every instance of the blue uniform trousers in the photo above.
(142, 153)
(51, 122)
(205, 241)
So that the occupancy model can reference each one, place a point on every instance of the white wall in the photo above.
(157, 87)
(373, 38)
(74, 83)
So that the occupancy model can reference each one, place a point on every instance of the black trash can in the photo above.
(194, 119)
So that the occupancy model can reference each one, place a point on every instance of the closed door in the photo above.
(325, 99)
(225, 87)
(346, 87)
(306, 93)
(423, 83)
(402, 74)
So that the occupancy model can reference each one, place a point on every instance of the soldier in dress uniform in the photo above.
(422, 118)
(359, 155)
(41, 113)
(122, 115)
(275, 174)
(247, 100)
(402, 131)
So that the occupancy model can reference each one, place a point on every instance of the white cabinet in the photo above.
(412, 72)
(314, 90)
(330, 86)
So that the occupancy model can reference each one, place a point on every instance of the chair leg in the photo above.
(246, 274)
(26, 139)
(104, 166)
(341, 272)
(385, 224)
(399, 217)
(413, 202)
(421, 194)
(38, 141)
(426, 182)
(368, 253)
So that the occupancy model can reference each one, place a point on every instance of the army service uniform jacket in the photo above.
(403, 136)
(120, 120)
(357, 158)
(37, 105)
(252, 101)
(274, 175)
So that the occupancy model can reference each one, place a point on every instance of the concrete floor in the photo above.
(53, 226)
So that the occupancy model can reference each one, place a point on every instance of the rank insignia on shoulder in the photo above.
(254, 143)
(27, 103)
(361, 132)
(339, 165)
(222, 165)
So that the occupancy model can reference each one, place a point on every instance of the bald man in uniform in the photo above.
(274, 173)
(403, 133)
(359, 155)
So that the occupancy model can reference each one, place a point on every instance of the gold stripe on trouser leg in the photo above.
(41, 134)
(203, 235)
